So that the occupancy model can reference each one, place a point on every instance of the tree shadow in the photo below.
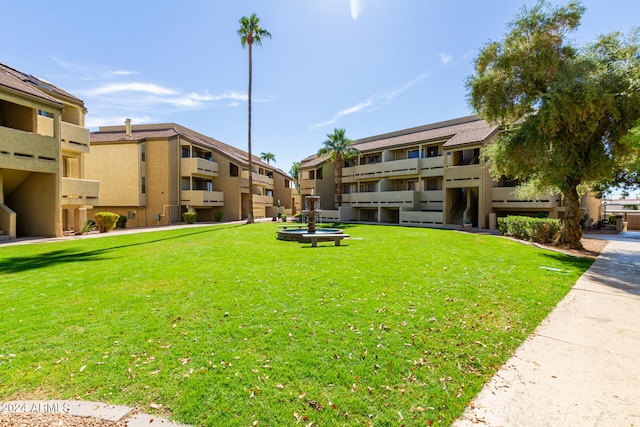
(62, 256)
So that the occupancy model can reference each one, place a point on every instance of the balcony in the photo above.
(201, 198)
(387, 199)
(419, 218)
(463, 173)
(262, 181)
(506, 198)
(198, 167)
(75, 139)
(79, 192)
(432, 166)
(28, 151)
(381, 170)
(430, 200)
(259, 200)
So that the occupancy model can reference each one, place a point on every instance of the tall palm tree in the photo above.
(250, 32)
(268, 157)
(338, 148)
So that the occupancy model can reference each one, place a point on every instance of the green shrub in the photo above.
(284, 218)
(88, 226)
(612, 219)
(217, 216)
(122, 222)
(540, 230)
(106, 221)
(189, 217)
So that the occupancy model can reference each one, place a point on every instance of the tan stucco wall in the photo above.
(232, 210)
(116, 166)
(36, 202)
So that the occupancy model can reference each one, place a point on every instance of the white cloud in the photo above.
(372, 102)
(131, 87)
(356, 8)
(445, 58)
(119, 73)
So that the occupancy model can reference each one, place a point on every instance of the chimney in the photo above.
(127, 128)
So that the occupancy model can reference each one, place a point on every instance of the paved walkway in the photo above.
(581, 366)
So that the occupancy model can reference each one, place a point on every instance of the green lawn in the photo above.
(226, 325)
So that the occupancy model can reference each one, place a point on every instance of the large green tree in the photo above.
(251, 33)
(338, 148)
(570, 115)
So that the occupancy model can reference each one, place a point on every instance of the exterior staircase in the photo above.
(457, 217)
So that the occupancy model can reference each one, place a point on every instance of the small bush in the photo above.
(612, 219)
(217, 216)
(106, 221)
(189, 217)
(122, 222)
(284, 218)
(88, 226)
(540, 230)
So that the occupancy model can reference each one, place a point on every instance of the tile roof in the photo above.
(167, 130)
(32, 85)
(464, 130)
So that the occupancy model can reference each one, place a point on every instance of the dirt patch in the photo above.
(591, 248)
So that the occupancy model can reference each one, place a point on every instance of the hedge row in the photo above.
(540, 230)
(106, 221)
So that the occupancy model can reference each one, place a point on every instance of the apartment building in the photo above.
(153, 173)
(430, 175)
(43, 141)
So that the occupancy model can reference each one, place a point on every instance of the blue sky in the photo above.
(369, 66)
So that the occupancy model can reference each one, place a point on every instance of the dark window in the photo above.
(186, 153)
(319, 173)
(143, 186)
(312, 174)
(432, 151)
(413, 154)
(287, 183)
(233, 170)
(186, 183)
(143, 154)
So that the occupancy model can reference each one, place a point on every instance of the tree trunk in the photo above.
(571, 232)
(339, 179)
(250, 160)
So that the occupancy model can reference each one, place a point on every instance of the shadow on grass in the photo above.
(63, 256)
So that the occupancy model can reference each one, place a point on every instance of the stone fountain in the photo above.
(312, 205)
(312, 212)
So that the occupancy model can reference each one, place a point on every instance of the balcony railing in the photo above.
(75, 139)
(506, 198)
(399, 199)
(77, 192)
(262, 180)
(201, 198)
(28, 151)
(462, 173)
(259, 200)
(197, 166)
(382, 169)
(417, 218)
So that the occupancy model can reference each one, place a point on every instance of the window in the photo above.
(319, 173)
(373, 159)
(45, 114)
(368, 187)
(413, 154)
(268, 193)
(185, 183)
(186, 152)
(287, 183)
(432, 151)
(411, 185)
(433, 184)
(143, 186)
(312, 174)
(233, 170)
(349, 163)
(142, 153)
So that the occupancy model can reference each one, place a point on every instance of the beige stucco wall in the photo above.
(117, 167)
(36, 202)
(224, 182)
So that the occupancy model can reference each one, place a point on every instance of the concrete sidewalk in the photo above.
(581, 366)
